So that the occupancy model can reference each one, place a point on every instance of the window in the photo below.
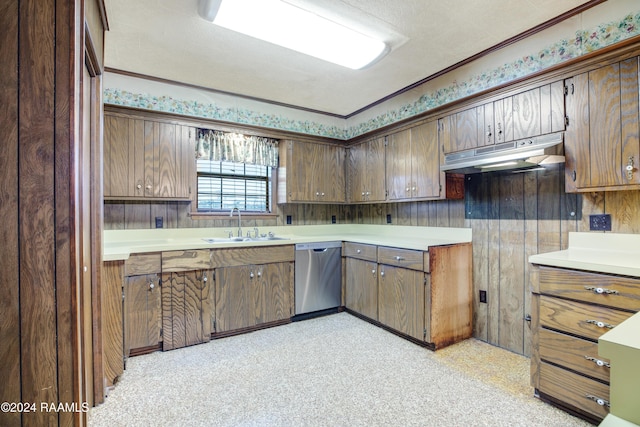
(224, 185)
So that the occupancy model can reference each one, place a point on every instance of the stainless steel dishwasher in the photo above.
(318, 276)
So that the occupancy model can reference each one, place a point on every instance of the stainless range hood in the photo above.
(522, 154)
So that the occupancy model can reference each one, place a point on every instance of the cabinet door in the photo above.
(375, 181)
(503, 120)
(445, 137)
(233, 296)
(273, 293)
(398, 168)
(425, 162)
(526, 114)
(357, 172)
(142, 312)
(465, 135)
(401, 300)
(123, 157)
(186, 308)
(305, 170)
(332, 185)
(361, 288)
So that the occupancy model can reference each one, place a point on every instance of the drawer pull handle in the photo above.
(601, 290)
(399, 258)
(598, 361)
(598, 400)
(358, 251)
(600, 324)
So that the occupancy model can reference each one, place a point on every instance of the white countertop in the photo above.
(612, 253)
(119, 244)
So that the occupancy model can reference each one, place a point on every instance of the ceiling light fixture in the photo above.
(286, 25)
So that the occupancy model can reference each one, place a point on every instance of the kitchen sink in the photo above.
(242, 239)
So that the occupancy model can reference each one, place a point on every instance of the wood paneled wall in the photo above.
(512, 216)
(40, 357)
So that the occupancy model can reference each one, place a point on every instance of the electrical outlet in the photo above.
(388, 218)
(289, 219)
(333, 219)
(159, 222)
(483, 296)
(600, 222)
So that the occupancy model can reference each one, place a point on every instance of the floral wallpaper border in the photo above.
(583, 42)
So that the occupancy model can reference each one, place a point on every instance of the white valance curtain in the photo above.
(236, 147)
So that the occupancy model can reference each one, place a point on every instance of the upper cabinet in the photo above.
(365, 172)
(311, 172)
(147, 159)
(413, 164)
(602, 147)
(526, 114)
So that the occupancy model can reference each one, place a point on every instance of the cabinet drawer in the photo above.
(573, 353)
(613, 291)
(574, 389)
(173, 261)
(138, 264)
(405, 258)
(360, 251)
(589, 321)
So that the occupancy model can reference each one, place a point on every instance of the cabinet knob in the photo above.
(139, 186)
(148, 187)
(259, 273)
(407, 189)
(251, 275)
(358, 251)
(363, 193)
(630, 168)
(322, 194)
(398, 258)
(373, 271)
(151, 285)
(382, 273)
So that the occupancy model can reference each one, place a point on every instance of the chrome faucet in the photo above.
(239, 220)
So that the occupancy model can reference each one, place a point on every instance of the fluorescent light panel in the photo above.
(289, 26)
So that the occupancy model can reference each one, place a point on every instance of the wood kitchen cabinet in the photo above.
(142, 303)
(311, 173)
(366, 177)
(401, 300)
(602, 144)
(570, 310)
(143, 310)
(187, 298)
(251, 295)
(526, 114)
(361, 279)
(253, 287)
(147, 158)
(426, 296)
(413, 164)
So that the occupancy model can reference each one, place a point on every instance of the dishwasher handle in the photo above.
(320, 249)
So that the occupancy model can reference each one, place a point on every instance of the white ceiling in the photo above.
(168, 39)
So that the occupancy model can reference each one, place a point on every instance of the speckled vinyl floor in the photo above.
(331, 371)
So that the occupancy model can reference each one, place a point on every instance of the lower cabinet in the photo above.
(361, 290)
(251, 295)
(570, 310)
(424, 295)
(401, 300)
(142, 311)
(186, 308)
